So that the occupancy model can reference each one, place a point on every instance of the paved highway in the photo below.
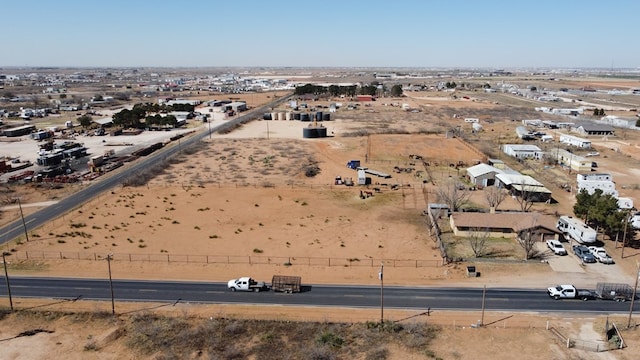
(499, 299)
(110, 180)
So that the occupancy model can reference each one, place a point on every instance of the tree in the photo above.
(494, 196)
(525, 197)
(454, 194)
(527, 238)
(85, 120)
(616, 223)
(478, 241)
(584, 203)
(599, 209)
(396, 90)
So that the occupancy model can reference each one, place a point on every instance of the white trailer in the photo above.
(362, 177)
(575, 141)
(576, 229)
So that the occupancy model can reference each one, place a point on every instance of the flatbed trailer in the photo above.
(286, 284)
(614, 291)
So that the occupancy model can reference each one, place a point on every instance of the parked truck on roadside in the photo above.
(614, 291)
(570, 292)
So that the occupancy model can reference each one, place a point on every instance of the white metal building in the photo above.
(482, 174)
(575, 141)
(523, 151)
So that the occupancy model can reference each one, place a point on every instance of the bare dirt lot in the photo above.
(245, 196)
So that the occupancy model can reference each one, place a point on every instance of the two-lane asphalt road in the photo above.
(422, 298)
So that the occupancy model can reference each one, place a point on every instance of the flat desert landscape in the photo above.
(243, 204)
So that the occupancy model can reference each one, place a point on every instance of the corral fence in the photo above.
(388, 183)
(435, 232)
(615, 342)
(225, 259)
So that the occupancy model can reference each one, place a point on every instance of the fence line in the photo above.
(226, 259)
(292, 186)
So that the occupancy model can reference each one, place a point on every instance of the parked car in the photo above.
(557, 247)
(601, 255)
(583, 253)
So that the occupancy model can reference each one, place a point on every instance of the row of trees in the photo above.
(133, 118)
(373, 89)
(598, 112)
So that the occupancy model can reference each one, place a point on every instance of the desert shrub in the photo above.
(232, 352)
(311, 170)
(378, 353)
(331, 339)
(321, 353)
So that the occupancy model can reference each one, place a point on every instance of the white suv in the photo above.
(557, 247)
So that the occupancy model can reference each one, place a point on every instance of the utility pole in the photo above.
(484, 296)
(381, 277)
(6, 277)
(24, 225)
(113, 304)
(624, 233)
(635, 290)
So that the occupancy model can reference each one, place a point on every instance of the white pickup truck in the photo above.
(570, 292)
(601, 255)
(557, 247)
(247, 284)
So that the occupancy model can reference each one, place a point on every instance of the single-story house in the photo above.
(506, 224)
(574, 162)
(523, 151)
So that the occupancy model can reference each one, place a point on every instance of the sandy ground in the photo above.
(243, 206)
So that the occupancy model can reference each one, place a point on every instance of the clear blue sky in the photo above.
(347, 33)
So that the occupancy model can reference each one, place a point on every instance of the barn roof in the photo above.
(516, 221)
